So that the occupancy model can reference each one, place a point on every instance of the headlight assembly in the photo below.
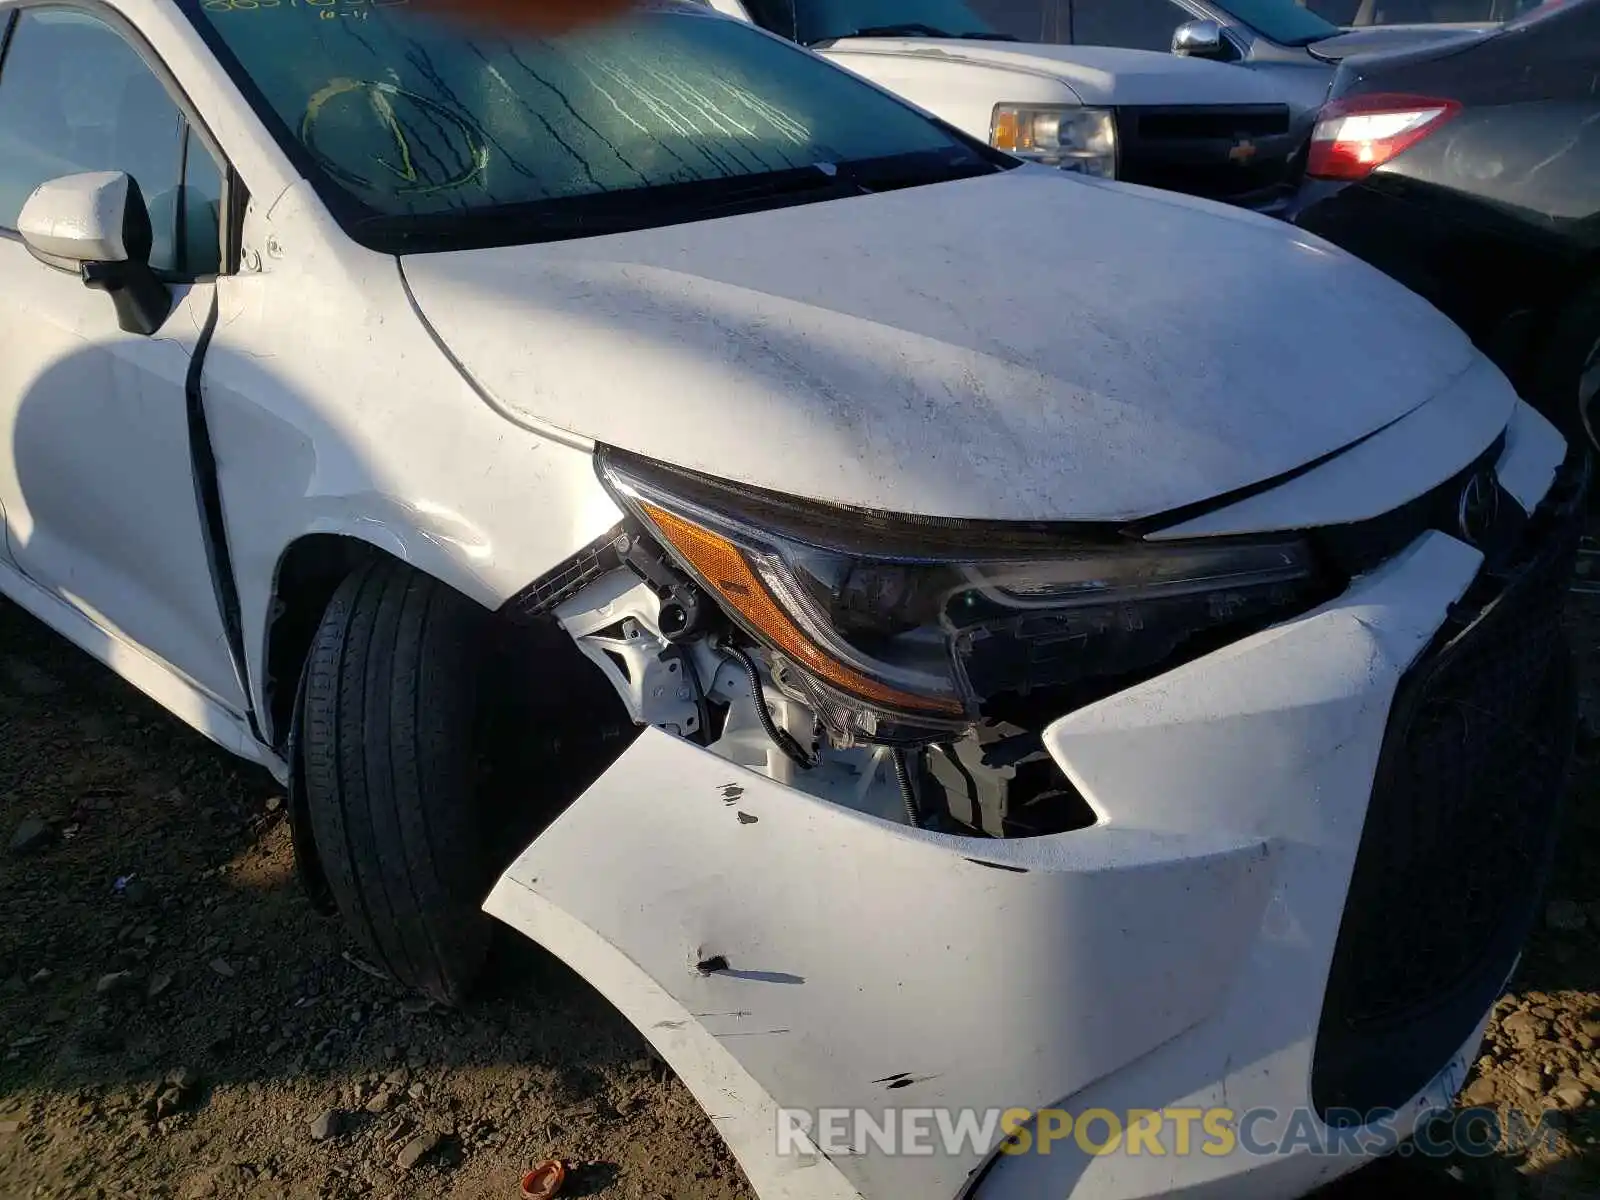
(900, 629)
(1059, 135)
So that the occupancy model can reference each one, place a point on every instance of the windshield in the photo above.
(1361, 14)
(422, 134)
(1287, 22)
(1135, 24)
(814, 21)
(1531, 11)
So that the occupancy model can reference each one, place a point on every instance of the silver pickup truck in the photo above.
(1212, 99)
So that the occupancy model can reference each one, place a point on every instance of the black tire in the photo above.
(390, 774)
(1571, 352)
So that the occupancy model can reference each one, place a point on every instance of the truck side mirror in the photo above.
(1199, 39)
(96, 223)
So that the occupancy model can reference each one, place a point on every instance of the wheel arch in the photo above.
(308, 571)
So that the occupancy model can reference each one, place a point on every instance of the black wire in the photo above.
(780, 737)
(902, 775)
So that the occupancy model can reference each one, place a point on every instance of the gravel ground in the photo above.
(175, 1021)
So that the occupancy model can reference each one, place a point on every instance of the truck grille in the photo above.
(1459, 829)
(1243, 154)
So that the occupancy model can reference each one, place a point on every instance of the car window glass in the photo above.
(202, 210)
(1362, 13)
(778, 16)
(1046, 21)
(824, 20)
(1519, 13)
(74, 97)
(1287, 22)
(398, 116)
(1340, 12)
(1133, 24)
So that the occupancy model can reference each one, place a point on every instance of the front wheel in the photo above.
(390, 774)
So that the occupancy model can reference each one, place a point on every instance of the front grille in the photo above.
(1267, 120)
(1245, 154)
(1459, 829)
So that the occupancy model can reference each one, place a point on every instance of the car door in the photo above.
(96, 479)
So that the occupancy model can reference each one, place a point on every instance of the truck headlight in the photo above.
(1059, 135)
(899, 629)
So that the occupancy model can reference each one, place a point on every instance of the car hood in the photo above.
(1023, 346)
(1381, 39)
(1099, 75)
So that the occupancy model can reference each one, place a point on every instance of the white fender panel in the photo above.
(860, 955)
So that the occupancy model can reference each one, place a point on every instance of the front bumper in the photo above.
(782, 952)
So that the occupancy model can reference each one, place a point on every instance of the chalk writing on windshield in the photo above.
(352, 121)
(327, 10)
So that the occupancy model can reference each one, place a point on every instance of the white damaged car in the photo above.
(952, 636)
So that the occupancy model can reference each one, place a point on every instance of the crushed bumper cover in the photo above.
(782, 952)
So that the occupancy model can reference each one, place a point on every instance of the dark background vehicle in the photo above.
(1300, 44)
(1204, 128)
(1360, 14)
(1472, 175)
(1203, 136)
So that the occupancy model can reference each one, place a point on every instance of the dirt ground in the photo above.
(175, 1021)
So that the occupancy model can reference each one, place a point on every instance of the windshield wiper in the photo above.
(914, 29)
(606, 212)
(897, 171)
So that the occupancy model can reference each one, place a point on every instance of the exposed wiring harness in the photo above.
(792, 749)
(780, 737)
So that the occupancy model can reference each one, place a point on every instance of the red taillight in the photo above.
(1354, 137)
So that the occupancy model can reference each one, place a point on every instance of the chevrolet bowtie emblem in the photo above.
(1243, 151)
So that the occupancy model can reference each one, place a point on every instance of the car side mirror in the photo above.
(96, 224)
(1199, 39)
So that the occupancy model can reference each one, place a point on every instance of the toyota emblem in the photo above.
(1478, 510)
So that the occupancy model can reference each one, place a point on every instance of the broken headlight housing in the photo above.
(898, 630)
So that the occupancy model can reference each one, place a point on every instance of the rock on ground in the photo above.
(31, 833)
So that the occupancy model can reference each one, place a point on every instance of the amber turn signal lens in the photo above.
(1004, 134)
(721, 564)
